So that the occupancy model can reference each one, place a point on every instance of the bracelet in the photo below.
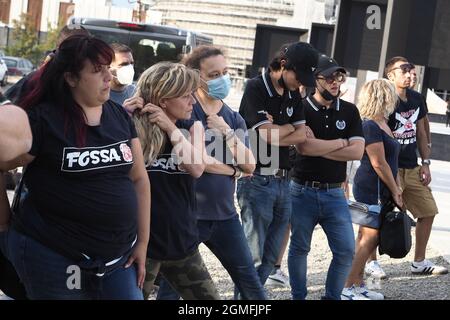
(234, 173)
(228, 135)
(240, 173)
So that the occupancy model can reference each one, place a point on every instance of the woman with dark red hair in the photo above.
(83, 228)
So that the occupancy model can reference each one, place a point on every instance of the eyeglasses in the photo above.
(405, 68)
(338, 77)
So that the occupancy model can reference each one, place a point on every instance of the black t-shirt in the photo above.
(403, 123)
(260, 97)
(341, 120)
(173, 233)
(81, 200)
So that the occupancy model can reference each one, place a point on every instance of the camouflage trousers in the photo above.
(189, 277)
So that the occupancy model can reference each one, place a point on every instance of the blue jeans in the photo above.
(51, 276)
(265, 204)
(227, 242)
(329, 209)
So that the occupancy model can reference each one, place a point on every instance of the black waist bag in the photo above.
(395, 232)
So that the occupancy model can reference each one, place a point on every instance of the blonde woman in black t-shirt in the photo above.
(173, 162)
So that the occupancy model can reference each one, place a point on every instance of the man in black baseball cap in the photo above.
(272, 109)
(301, 58)
(334, 137)
(329, 77)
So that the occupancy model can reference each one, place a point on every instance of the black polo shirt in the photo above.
(260, 97)
(341, 120)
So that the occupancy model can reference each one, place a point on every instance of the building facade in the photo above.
(232, 23)
(47, 13)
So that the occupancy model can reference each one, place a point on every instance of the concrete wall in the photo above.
(441, 147)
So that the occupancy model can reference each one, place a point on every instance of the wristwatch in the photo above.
(426, 161)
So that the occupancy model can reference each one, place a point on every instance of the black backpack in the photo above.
(395, 232)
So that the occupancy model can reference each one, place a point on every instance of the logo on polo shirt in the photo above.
(95, 158)
(290, 111)
(341, 124)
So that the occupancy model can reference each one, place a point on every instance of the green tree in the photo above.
(25, 42)
(52, 37)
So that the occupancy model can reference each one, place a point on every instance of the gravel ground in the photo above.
(399, 285)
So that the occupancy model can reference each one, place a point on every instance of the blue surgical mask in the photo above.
(220, 87)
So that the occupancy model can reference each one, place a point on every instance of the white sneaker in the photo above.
(427, 267)
(373, 269)
(352, 294)
(369, 294)
(278, 279)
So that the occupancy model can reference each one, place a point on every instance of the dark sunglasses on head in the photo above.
(406, 67)
(338, 77)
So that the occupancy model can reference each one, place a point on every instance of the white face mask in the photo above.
(125, 75)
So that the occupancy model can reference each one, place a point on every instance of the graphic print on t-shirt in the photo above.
(95, 158)
(166, 163)
(406, 126)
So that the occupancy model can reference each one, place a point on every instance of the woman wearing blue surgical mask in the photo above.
(227, 141)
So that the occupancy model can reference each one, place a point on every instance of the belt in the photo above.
(317, 184)
(277, 173)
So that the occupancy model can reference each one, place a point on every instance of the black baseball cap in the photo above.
(326, 66)
(303, 58)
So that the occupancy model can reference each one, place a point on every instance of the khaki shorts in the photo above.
(417, 197)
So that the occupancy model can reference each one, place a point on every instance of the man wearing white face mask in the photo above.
(122, 69)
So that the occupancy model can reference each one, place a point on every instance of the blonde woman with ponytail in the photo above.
(173, 162)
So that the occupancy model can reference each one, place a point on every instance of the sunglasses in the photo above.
(338, 77)
(405, 68)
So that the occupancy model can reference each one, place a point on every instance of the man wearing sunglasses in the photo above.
(334, 136)
(408, 126)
